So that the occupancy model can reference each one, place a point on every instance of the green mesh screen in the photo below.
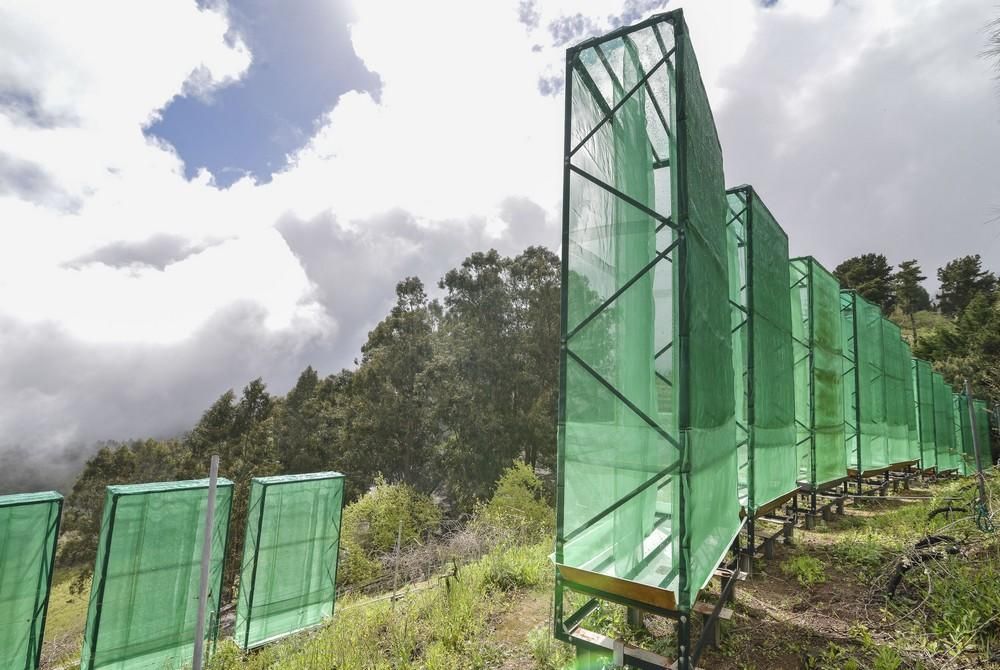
(818, 353)
(895, 363)
(912, 429)
(762, 348)
(144, 598)
(965, 455)
(289, 572)
(868, 449)
(983, 433)
(944, 423)
(647, 460)
(29, 527)
(923, 391)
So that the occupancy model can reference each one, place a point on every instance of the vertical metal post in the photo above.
(395, 571)
(975, 442)
(206, 559)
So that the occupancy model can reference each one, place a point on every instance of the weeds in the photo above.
(806, 570)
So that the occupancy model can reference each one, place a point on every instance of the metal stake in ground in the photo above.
(975, 444)
(206, 559)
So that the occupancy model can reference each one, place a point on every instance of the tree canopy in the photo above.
(446, 396)
(871, 276)
(961, 280)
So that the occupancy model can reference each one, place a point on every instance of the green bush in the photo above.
(518, 509)
(965, 600)
(547, 652)
(373, 521)
(514, 568)
(355, 566)
(805, 569)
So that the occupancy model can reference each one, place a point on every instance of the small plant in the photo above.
(518, 510)
(887, 659)
(863, 550)
(375, 520)
(861, 633)
(834, 657)
(514, 568)
(806, 570)
(547, 652)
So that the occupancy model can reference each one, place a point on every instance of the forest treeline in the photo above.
(449, 392)
(958, 331)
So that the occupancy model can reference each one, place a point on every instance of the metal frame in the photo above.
(46, 568)
(948, 430)
(858, 473)
(568, 628)
(814, 490)
(755, 509)
(924, 467)
(265, 483)
(116, 493)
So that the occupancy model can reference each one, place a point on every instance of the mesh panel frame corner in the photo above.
(865, 405)
(762, 351)
(983, 433)
(944, 424)
(964, 449)
(144, 597)
(896, 384)
(29, 530)
(923, 391)
(647, 495)
(288, 574)
(819, 373)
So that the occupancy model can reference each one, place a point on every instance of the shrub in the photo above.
(514, 568)
(517, 509)
(354, 566)
(547, 652)
(805, 569)
(370, 526)
(372, 522)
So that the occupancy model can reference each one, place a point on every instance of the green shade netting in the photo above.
(863, 326)
(912, 427)
(944, 423)
(896, 379)
(647, 458)
(29, 527)
(288, 575)
(923, 391)
(144, 598)
(762, 346)
(983, 432)
(818, 373)
(965, 456)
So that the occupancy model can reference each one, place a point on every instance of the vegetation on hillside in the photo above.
(959, 332)
(448, 395)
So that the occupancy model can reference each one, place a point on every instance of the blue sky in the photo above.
(302, 63)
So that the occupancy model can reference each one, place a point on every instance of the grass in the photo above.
(447, 626)
(806, 570)
(829, 610)
(65, 620)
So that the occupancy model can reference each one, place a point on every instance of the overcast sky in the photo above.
(194, 194)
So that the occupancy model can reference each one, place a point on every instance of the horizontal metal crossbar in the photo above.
(614, 296)
(589, 523)
(618, 105)
(627, 198)
(628, 403)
